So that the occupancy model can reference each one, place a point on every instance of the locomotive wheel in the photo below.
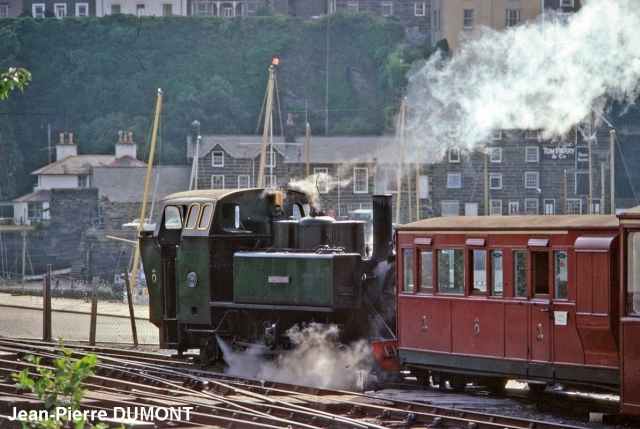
(537, 388)
(457, 383)
(496, 385)
(210, 353)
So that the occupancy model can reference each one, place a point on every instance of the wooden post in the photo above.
(94, 311)
(134, 331)
(46, 305)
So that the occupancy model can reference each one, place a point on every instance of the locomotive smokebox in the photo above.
(382, 227)
(315, 231)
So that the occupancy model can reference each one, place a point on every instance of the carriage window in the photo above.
(172, 219)
(540, 265)
(479, 264)
(192, 216)
(407, 281)
(496, 272)
(560, 274)
(451, 271)
(205, 218)
(633, 274)
(520, 273)
(426, 271)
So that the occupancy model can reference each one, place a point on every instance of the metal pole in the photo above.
(590, 211)
(565, 191)
(399, 176)
(486, 185)
(417, 191)
(612, 173)
(94, 311)
(602, 188)
(46, 305)
(308, 138)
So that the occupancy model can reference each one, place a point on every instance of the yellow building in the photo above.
(460, 20)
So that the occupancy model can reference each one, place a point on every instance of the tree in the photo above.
(14, 78)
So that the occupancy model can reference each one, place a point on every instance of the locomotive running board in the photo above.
(270, 307)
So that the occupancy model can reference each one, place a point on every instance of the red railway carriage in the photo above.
(544, 299)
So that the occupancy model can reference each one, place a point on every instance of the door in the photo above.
(540, 307)
(630, 327)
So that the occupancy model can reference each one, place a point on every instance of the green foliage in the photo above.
(13, 78)
(96, 76)
(62, 386)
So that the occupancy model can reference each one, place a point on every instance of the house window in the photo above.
(454, 180)
(574, 206)
(419, 9)
(450, 208)
(531, 154)
(167, 9)
(82, 9)
(244, 181)
(217, 159)
(531, 180)
(495, 207)
(321, 176)
(252, 9)
(513, 17)
(4, 10)
(467, 18)
(391, 180)
(566, 3)
(270, 181)
(34, 210)
(271, 158)
(140, 10)
(387, 8)
(352, 6)
(351, 207)
(496, 135)
(495, 180)
(360, 181)
(533, 134)
(424, 187)
(60, 10)
(217, 181)
(514, 207)
(495, 154)
(454, 155)
(83, 181)
(37, 10)
(549, 206)
(228, 12)
(115, 8)
(531, 206)
(595, 207)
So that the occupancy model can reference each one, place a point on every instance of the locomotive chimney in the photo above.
(382, 227)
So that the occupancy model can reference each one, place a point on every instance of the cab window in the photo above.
(520, 273)
(172, 218)
(633, 274)
(451, 271)
(192, 216)
(560, 274)
(407, 261)
(479, 264)
(496, 272)
(205, 217)
(426, 270)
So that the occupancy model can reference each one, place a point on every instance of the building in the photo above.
(460, 20)
(513, 173)
(70, 171)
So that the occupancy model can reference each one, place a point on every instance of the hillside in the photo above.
(95, 76)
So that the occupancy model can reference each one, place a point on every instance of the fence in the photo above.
(95, 312)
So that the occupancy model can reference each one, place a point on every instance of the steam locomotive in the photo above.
(246, 265)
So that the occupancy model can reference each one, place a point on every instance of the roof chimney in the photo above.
(125, 145)
(66, 147)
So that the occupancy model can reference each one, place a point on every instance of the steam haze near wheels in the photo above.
(549, 75)
(315, 359)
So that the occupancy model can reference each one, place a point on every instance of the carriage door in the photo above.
(630, 328)
(540, 303)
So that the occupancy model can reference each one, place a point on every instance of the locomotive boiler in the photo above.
(246, 265)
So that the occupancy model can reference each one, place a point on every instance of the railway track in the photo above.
(151, 389)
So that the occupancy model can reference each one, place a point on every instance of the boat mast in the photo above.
(267, 120)
(146, 187)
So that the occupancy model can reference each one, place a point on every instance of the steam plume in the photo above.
(548, 75)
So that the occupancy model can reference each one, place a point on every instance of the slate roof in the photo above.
(40, 195)
(83, 164)
(126, 185)
(323, 150)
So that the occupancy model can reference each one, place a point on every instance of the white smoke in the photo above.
(546, 75)
(317, 184)
(315, 359)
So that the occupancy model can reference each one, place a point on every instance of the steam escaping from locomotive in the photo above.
(546, 75)
(316, 359)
